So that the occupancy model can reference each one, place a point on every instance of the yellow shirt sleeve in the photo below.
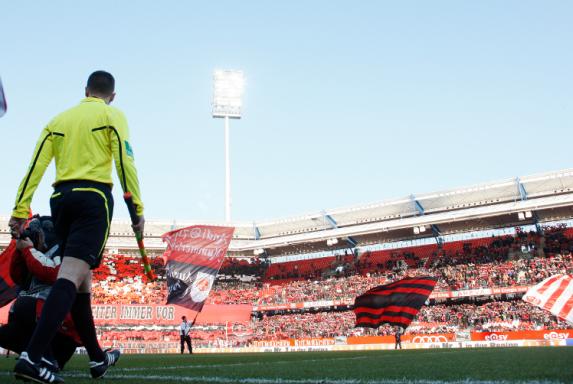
(43, 154)
(125, 162)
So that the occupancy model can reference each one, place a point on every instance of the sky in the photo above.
(346, 102)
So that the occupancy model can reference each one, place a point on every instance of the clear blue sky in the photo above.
(346, 102)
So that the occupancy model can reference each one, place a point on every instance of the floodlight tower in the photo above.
(228, 88)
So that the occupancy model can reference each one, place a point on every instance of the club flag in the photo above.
(554, 294)
(194, 256)
(396, 303)
(8, 288)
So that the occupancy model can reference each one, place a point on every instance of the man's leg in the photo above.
(72, 274)
(65, 350)
(83, 319)
(59, 302)
(15, 335)
(188, 341)
(182, 340)
(12, 338)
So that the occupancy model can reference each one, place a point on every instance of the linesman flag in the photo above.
(396, 303)
(554, 294)
(194, 256)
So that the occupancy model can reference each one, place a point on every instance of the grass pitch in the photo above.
(480, 365)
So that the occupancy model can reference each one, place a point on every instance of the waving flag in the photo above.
(194, 256)
(554, 294)
(8, 289)
(396, 303)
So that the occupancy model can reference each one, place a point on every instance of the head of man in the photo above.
(184, 319)
(101, 84)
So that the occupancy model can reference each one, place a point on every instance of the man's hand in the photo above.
(139, 226)
(16, 225)
(22, 244)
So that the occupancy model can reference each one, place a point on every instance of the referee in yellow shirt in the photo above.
(83, 141)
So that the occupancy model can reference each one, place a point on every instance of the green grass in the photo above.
(515, 365)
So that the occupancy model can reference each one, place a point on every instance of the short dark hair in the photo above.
(183, 318)
(101, 82)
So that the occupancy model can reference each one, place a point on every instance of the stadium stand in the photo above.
(518, 260)
(301, 284)
(461, 265)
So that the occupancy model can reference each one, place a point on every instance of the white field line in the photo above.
(203, 366)
(326, 380)
(257, 380)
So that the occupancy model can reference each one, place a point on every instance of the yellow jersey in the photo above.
(83, 140)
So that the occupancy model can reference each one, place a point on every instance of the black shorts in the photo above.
(82, 212)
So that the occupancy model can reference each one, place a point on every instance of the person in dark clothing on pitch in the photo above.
(398, 338)
(185, 335)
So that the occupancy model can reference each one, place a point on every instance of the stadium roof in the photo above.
(511, 202)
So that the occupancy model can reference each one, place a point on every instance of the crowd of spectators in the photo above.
(233, 292)
(242, 268)
(509, 315)
(489, 317)
(480, 263)
(521, 260)
(120, 280)
(452, 277)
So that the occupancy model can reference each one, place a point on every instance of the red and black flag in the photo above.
(194, 256)
(8, 288)
(396, 303)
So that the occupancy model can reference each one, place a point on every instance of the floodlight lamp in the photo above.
(422, 228)
(228, 89)
(528, 214)
(258, 251)
(521, 216)
(416, 230)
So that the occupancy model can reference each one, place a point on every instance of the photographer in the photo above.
(34, 268)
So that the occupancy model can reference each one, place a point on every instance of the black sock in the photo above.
(84, 323)
(56, 307)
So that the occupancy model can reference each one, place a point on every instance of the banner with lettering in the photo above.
(151, 314)
(194, 256)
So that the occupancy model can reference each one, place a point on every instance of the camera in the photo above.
(33, 232)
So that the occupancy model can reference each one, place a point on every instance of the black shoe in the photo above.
(27, 370)
(98, 369)
(52, 365)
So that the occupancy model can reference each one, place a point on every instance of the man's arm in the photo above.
(125, 163)
(38, 264)
(42, 157)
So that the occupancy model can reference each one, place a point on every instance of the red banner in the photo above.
(140, 314)
(194, 256)
(434, 295)
(478, 292)
(424, 339)
(523, 335)
(8, 289)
